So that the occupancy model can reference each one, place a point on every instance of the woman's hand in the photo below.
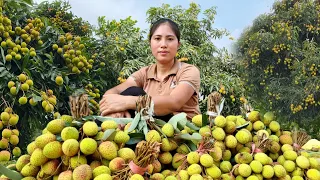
(124, 114)
(112, 104)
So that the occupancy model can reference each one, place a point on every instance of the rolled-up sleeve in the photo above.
(139, 76)
(190, 75)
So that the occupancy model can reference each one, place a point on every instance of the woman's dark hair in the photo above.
(174, 26)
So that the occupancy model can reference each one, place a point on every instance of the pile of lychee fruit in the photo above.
(231, 147)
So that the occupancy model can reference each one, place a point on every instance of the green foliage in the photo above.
(280, 59)
(216, 71)
(60, 16)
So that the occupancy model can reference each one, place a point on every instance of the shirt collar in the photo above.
(151, 74)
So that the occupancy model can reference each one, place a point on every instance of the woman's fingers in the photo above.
(127, 114)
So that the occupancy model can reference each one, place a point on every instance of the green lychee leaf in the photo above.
(160, 130)
(135, 138)
(159, 122)
(36, 98)
(77, 123)
(107, 134)
(192, 126)
(3, 57)
(183, 122)
(11, 174)
(186, 136)
(192, 146)
(3, 71)
(135, 122)
(117, 120)
(205, 120)
(59, 138)
(176, 118)
(243, 125)
(145, 128)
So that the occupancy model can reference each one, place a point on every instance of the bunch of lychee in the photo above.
(10, 135)
(71, 49)
(15, 41)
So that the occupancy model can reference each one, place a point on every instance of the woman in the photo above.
(173, 85)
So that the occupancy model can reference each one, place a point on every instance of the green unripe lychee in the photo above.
(303, 162)
(55, 126)
(231, 141)
(153, 136)
(230, 127)
(254, 116)
(258, 125)
(108, 150)
(13, 119)
(220, 121)
(101, 170)
(22, 161)
(90, 128)
(53, 150)
(70, 147)
(267, 171)
(279, 171)
(23, 100)
(193, 157)
(274, 126)
(14, 139)
(290, 155)
(103, 177)
(121, 137)
(38, 158)
(88, 146)
(206, 160)
(289, 165)
(286, 139)
(22, 77)
(168, 130)
(5, 116)
(262, 158)
(44, 139)
(69, 133)
(256, 166)
(196, 177)
(225, 166)
(197, 120)
(6, 133)
(30, 170)
(268, 117)
(218, 134)
(127, 154)
(59, 80)
(244, 170)
(213, 172)
(4, 155)
(177, 160)
(243, 137)
(11, 84)
(194, 169)
(165, 158)
(313, 174)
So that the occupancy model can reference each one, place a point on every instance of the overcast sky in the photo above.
(234, 15)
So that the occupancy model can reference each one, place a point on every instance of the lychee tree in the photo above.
(280, 61)
(41, 66)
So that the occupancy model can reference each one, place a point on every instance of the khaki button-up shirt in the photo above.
(180, 73)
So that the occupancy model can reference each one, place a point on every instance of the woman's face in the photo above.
(164, 44)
